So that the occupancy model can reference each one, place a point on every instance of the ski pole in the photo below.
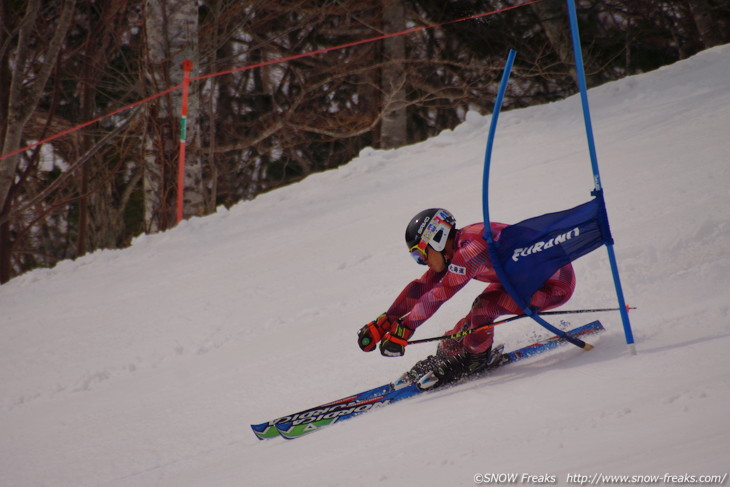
(507, 320)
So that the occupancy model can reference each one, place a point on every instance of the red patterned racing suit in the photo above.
(422, 297)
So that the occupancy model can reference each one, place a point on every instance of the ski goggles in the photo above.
(418, 252)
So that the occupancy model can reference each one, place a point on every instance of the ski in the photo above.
(309, 420)
(268, 429)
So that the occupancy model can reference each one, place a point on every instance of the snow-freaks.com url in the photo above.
(667, 478)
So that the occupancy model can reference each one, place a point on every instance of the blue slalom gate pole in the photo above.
(503, 278)
(580, 75)
(490, 142)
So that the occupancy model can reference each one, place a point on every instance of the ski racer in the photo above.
(454, 257)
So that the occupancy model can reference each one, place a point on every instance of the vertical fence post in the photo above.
(187, 65)
(580, 75)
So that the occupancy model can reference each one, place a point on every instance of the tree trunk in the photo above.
(394, 128)
(710, 32)
(21, 101)
(554, 22)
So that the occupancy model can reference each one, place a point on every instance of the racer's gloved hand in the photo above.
(395, 341)
(370, 334)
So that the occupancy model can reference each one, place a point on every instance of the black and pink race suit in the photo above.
(421, 298)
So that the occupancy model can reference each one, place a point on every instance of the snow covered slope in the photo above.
(145, 366)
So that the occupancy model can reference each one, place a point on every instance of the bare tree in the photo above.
(28, 73)
(394, 127)
(273, 115)
(553, 19)
(711, 32)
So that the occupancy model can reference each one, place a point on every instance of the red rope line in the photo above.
(90, 122)
(264, 63)
(362, 41)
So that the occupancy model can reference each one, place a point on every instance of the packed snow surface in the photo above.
(146, 366)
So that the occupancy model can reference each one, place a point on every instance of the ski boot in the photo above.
(439, 370)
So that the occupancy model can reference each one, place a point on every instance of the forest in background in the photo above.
(65, 63)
